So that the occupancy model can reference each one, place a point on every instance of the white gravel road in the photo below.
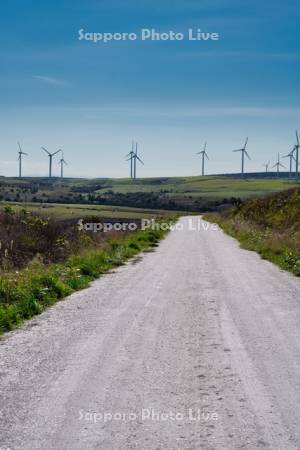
(193, 346)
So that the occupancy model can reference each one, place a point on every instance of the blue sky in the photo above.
(92, 99)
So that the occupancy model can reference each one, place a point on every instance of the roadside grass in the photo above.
(28, 292)
(270, 226)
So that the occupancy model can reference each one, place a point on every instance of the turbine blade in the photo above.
(246, 153)
(239, 150)
(60, 150)
(246, 142)
(297, 137)
(45, 150)
(139, 159)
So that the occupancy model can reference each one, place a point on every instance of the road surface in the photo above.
(195, 345)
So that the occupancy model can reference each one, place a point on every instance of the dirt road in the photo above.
(194, 346)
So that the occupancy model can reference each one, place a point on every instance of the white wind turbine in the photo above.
(204, 155)
(244, 152)
(50, 159)
(21, 153)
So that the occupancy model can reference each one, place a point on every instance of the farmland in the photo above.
(77, 211)
(178, 193)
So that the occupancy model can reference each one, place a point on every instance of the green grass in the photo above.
(208, 186)
(29, 292)
(269, 226)
(71, 198)
(74, 211)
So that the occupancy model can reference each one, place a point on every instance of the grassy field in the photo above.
(268, 225)
(197, 194)
(69, 211)
(214, 187)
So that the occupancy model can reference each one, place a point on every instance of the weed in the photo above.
(269, 226)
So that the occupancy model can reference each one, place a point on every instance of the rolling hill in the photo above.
(177, 193)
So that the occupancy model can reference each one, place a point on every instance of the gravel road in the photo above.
(195, 345)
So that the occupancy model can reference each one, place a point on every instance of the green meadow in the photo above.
(68, 211)
(126, 198)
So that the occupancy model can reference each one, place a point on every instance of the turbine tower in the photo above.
(292, 158)
(62, 162)
(296, 149)
(21, 153)
(50, 159)
(278, 165)
(130, 157)
(135, 158)
(266, 166)
(244, 152)
(204, 155)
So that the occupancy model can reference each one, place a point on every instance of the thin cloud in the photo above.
(7, 163)
(185, 111)
(50, 80)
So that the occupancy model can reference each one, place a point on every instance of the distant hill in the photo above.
(173, 193)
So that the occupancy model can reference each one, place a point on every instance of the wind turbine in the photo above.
(21, 153)
(267, 166)
(62, 162)
(204, 155)
(296, 149)
(292, 158)
(50, 159)
(130, 157)
(244, 152)
(135, 158)
(278, 165)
